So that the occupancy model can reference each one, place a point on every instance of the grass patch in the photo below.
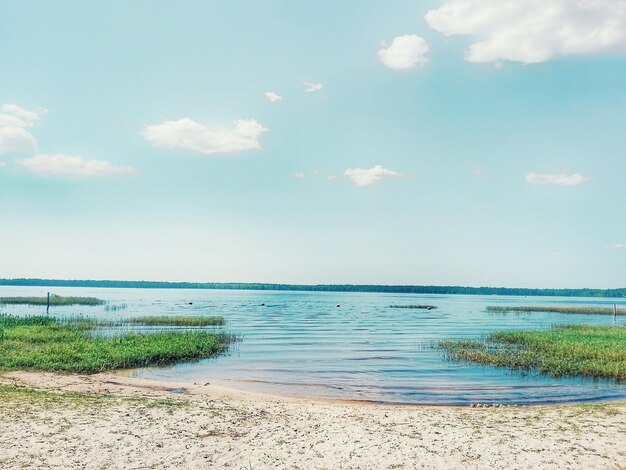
(177, 321)
(574, 350)
(54, 300)
(557, 309)
(17, 396)
(48, 344)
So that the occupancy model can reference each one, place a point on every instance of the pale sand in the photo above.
(220, 428)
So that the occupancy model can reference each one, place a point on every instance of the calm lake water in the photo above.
(301, 343)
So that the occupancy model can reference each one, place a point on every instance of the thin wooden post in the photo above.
(614, 312)
(48, 306)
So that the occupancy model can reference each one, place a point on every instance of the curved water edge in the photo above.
(303, 344)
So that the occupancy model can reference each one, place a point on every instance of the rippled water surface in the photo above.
(301, 343)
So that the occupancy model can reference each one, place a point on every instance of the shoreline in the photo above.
(115, 421)
(120, 384)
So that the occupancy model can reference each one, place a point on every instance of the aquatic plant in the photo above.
(585, 310)
(165, 320)
(50, 344)
(425, 307)
(572, 350)
(54, 300)
(114, 307)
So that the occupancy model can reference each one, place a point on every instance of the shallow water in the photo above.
(301, 343)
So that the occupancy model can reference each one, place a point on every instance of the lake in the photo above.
(304, 344)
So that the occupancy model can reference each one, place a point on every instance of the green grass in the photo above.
(575, 350)
(54, 300)
(177, 321)
(49, 344)
(558, 309)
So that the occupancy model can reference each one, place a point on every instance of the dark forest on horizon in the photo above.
(395, 289)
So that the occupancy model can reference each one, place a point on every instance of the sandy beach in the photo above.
(121, 422)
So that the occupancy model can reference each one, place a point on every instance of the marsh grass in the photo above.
(54, 300)
(425, 307)
(573, 350)
(557, 309)
(50, 344)
(177, 321)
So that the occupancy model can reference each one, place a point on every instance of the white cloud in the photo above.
(298, 175)
(188, 134)
(28, 117)
(311, 86)
(7, 120)
(367, 176)
(273, 97)
(617, 246)
(405, 52)
(556, 179)
(72, 166)
(16, 139)
(531, 31)
(13, 134)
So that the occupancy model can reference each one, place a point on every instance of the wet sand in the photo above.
(123, 422)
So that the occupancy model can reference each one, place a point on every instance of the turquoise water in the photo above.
(301, 343)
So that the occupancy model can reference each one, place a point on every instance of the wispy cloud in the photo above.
(273, 97)
(562, 179)
(3, 164)
(190, 135)
(299, 175)
(311, 86)
(616, 246)
(14, 136)
(531, 31)
(368, 176)
(405, 52)
(72, 166)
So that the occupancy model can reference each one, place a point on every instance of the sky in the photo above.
(452, 142)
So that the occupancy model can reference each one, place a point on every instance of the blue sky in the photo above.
(406, 142)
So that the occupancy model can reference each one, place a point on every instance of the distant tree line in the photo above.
(447, 290)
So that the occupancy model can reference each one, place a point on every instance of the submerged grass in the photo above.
(54, 300)
(49, 344)
(177, 321)
(558, 309)
(574, 350)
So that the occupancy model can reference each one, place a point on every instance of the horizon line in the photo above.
(381, 288)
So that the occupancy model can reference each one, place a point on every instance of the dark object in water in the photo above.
(338, 305)
(423, 307)
(262, 305)
(190, 303)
